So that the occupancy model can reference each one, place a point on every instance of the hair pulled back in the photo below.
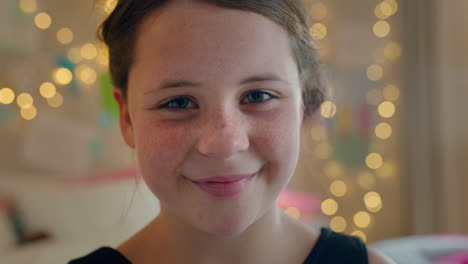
(119, 31)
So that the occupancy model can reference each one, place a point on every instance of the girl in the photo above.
(212, 96)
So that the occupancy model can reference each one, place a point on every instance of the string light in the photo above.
(28, 6)
(43, 20)
(338, 188)
(86, 74)
(328, 109)
(338, 224)
(362, 219)
(89, 51)
(386, 171)
(329, 207)
(74, 55)
(7, 96)
(318, 11)
(384, 10)
(318, 31)
(394, 6)
(391, 93)
(65, 35)
(47, 90)
(374, 72)
(55, 101)
(373, 201)
(360, 234)
(374, 161)
(24, 100)
(381, 29)
(392, 51)
(28, 113)
(103, 54)
(386, 109)
(383, 130)
(62, 76)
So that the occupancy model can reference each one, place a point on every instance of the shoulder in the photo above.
(377, 257)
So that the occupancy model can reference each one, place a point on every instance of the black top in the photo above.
(331, 248)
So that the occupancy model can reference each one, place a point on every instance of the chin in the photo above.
(225, 228)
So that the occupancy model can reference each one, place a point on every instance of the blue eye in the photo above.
(258, 97)
(180, 104)
(177, 104)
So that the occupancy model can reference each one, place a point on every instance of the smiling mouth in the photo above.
(225, 189)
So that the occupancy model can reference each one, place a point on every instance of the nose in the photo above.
(226, 134)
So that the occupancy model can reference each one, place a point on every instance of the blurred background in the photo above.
(385, 162)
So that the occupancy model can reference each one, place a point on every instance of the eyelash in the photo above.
(173, 109)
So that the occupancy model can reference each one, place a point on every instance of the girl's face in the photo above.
(213, 92)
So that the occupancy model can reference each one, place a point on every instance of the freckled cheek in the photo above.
(160, 150)
(278, 141)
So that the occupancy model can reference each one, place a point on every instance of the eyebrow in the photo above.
(168, 84)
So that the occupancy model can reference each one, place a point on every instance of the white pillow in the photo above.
(97, 212)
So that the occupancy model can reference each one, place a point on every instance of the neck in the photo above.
(172, 237)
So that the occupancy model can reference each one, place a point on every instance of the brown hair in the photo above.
(118, 31)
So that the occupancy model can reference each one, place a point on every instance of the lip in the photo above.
(224, 179)
(225, 186)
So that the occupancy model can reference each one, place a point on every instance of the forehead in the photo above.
(198, 40)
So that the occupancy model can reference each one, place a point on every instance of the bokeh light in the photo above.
(47, 90)
(28, 113)
(386, 109)
(7, 96)
(89, 51)
(86, 74)
(362, 219)
(74, 55)
(383, 130)
(24, 100)
(318, 11)
(328, 109)
(43, 20)
(374, 161)
(55, 101)
(338, 224)
(28, 6)
(374, 72)
(391, 92)
(387, 170)
(392, 51)
(103, 54)
(360, 234)
(381, 29)
(62, 76)
(329, 207)
(338, 188)
(373, 201)
(65, 35)
(318, 31)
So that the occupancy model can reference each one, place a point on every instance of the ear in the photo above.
(126, 126)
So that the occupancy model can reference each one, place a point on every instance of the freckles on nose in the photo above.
(224, 139)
